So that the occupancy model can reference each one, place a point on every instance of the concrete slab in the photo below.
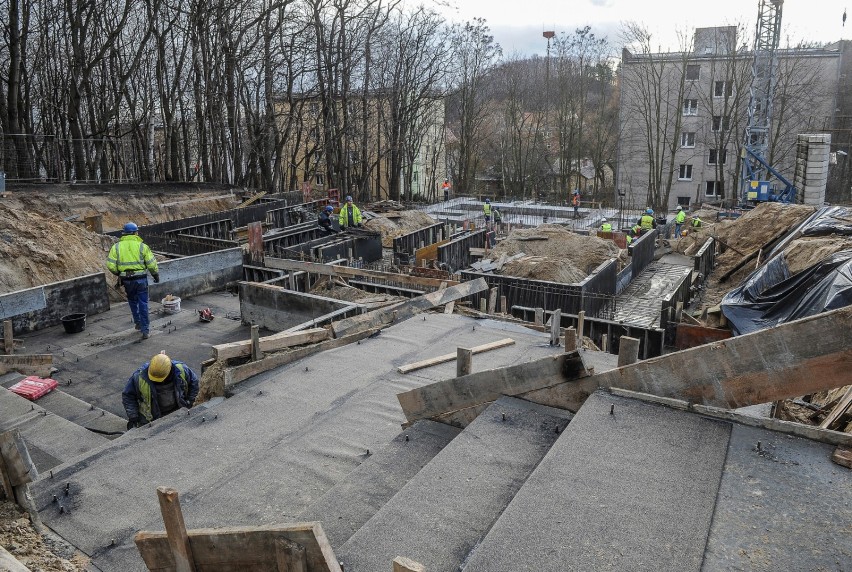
(782, 505)
(266, 454)
(98, 361)
(51, 440)
(628, 490)
(351, 503)
(444, 511)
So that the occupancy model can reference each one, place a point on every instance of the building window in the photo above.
(685, 173)
(683, 201)
(721, 123)
(723, 89)
(718, 157)
(320, 179)
(713, 189)
(690, 107)
(687, 139)
(693, 71)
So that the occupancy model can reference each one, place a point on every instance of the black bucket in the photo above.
(74, 323)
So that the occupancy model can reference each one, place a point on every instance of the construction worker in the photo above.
(696, 222)
(680, 218)
(159, 387)
(647, 221)
(350, 215)
(446, 188)
(606, 226)
(486, 210)
(575, 202)
(324, 220)
(130, 259)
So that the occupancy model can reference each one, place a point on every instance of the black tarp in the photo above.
(828, 221)
(770, 296)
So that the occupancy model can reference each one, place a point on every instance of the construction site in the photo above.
(420, 394)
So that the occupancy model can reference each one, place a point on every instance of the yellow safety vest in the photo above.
(646, 222)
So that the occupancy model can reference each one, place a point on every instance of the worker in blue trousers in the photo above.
(131, 260)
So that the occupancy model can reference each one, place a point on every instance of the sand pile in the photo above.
(555, 254)
(397, 224)
(35, 250)
(803, 253)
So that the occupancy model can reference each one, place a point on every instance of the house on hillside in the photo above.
(683, 115)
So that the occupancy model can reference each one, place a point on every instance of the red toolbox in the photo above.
(34, 387)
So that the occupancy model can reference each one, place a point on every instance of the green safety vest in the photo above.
(131, 257)
(606, 227)
(696, 222)
(486, 208)
(646, 222)
(143, 384)
(681, 216)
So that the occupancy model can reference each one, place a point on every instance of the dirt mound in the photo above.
(554, 254)
(18, 536)
(805, 252)
(392, 225)
(35, 250)
(212, 382)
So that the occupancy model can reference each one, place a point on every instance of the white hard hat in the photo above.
(680, 208)
(603, 220)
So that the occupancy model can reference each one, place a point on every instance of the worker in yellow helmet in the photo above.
(158, 388)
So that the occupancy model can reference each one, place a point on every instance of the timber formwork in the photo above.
(407, 244)
(455, 254)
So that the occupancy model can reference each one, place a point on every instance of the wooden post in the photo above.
(678, 311)
(628, 351)
(8, 337)
(290, 556)
(401, 564)
(604, 342)
(492, 301)
(256, 354)
(581, 318)
(176, 529)
(464, 361)
(483, 305)
(570, 339)
(503, 305)
(291, 280)
(555, 326)
(539, 316)
(255, 242)
(18, 471)
(349, 256)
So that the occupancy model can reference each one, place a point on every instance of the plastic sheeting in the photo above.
(828, 221)
(770, 296)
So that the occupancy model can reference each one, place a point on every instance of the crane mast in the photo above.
(755, 169)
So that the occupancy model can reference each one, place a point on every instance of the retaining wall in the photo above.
(195, 275)
(456, 253)
(277, 309)
(43, 306)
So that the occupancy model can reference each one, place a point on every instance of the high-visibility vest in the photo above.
(681, 216)
(606, 227)
(696, 222)
(646, 222)
(486, 208)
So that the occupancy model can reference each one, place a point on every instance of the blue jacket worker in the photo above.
(158, 388)
(324, 220)
(131, 260)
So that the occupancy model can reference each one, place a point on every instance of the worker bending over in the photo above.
(158, 388)
(350, 215)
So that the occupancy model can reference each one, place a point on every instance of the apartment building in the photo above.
(683, 116)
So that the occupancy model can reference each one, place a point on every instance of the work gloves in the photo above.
(156, 277)
(133, 423)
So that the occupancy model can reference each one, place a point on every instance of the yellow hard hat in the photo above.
(159, 368)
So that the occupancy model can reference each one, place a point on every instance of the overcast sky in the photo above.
(517, 25)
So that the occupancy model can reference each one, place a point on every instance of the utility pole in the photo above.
(547, 35)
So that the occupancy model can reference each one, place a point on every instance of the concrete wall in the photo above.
(195, 275)
(43, 306)
(278, 309)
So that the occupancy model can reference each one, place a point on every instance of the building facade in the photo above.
(683, 116)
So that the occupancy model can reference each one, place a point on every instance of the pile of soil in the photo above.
(805, 252)
(398, 224)
(35, 250)
(555, 254)
(18, 536)
(212, 382)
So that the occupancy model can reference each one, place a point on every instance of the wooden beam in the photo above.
(176, 529)
(464, 361)
(842, 456)
(8, 337)
(555, 326)
(401, 564)
(405, 310)
(243, 548)
(348, 272)
(724, 277)
(462, 392)
(628, 351)
(838, 410)
(783, 362)
(256, 352)
(408, 368)
(271, 343)
(27, 364)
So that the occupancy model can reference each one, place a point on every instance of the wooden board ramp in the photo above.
(271, 343)
(450, 357)
(784, 362)
(298, 547)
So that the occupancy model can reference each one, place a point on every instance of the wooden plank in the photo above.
(405, 310)
(842, 456)
(450, 357)
(401, 564)
(464, 361)
(724, 277)
(628, 351)
(8, 337)
(448, 309)
(256, 352)
(492, 300)
(838, 410)
(27, 364)
(347, 272)
(241, 549)
(555, 326)
(271, 343)
(240, 373)
(783, 362)
(176, 529)
(9, 563)
(689, 336)
(290, 556)
(486, 386)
